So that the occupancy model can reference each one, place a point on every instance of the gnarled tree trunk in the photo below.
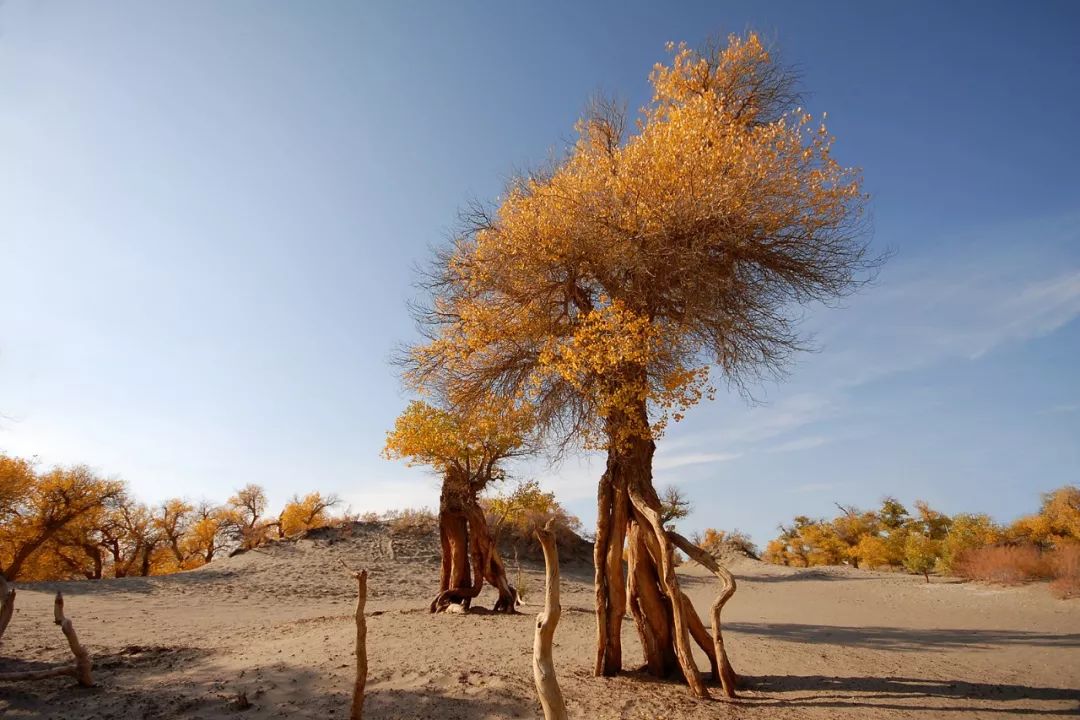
(629, 514)
(7, 604)
(469, 555)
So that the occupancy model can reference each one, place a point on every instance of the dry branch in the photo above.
(357, 711)
(728, 678)
(80, 669)
(547, 685)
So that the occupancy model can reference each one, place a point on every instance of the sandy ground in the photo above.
(276, 626)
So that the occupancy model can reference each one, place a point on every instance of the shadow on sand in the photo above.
(908, 694)
(894, 638)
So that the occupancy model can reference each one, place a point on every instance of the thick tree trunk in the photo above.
(629, 514)
(7, 604)
(469, 555)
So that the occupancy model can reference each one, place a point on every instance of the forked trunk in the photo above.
(469, 555)
(629, 515)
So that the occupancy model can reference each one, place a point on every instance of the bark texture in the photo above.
(547, 684)
(629, 515)
(469, 554)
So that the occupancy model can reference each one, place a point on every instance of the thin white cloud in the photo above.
(804, 443)
(813, 487)
(667, 461)
(963, 299)
(961, 302)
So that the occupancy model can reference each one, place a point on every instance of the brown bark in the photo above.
(629, 512)
(611, 531)
(357, 710)
(7, 604)
(547, 684)
(469, 554)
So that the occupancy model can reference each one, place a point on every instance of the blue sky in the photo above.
(209, 215)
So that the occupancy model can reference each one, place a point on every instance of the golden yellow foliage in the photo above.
(519, 513)
(474, 443)
(1057, 521)
(601, 292)
(70, 523)
(307, 513)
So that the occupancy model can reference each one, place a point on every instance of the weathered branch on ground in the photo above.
(547, 685)
(728, 678)
(80, 669)
(357, 710)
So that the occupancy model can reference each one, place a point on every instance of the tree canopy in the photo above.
(620, 276)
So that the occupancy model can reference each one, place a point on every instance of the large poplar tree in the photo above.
(606, 290)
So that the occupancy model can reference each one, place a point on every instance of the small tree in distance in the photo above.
(469, 451)
(674, 505)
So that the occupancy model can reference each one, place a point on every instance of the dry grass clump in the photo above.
(411, 520)
(1066, 566)
(1019, 564)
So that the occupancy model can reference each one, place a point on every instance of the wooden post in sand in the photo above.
(357, 711)
(547, 685)
(80, 669)
(728, 678)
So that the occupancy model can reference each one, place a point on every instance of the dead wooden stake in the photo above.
(357, 711)
(547, 685)
(728, 678)
(80, 669)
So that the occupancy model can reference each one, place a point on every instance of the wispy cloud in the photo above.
(813, 487)
(667, 461)
(804, 443)
(958, 303)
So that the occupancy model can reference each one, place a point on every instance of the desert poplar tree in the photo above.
(606, 291)
(469, 449)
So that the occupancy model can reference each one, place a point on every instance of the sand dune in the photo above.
(274, 626)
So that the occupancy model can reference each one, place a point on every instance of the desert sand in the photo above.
(274, 626)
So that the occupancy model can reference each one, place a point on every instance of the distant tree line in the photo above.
(928, 540)
(70, 522)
